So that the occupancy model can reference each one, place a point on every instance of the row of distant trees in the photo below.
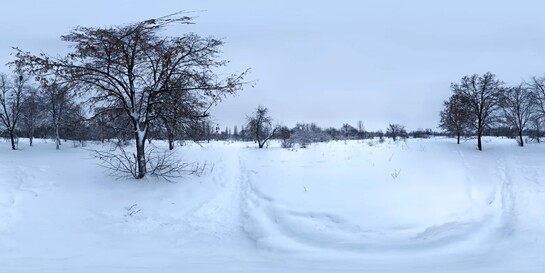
(33, 110)
(38, 110)
(482, 102)
(479, 105)
(260, 128)
(50, 111)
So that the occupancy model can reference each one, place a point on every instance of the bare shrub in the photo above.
(287, 143)
(161, 164)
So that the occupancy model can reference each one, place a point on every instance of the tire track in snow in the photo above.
(508, 197)
(524, 198)
(274, 226)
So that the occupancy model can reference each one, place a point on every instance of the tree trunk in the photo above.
(31, 136)
(12, 137)
(458, 135)
(170, 135)
(479, 143)
(140, 155)
(170, 144)
(259, 144)
(521, 143)
(537, 130)
(57, 138)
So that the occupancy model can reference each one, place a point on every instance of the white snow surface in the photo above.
(347, 206)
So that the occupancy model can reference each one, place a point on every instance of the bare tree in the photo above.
(361, 129)
(181, 111)
(518, 108)
(396, 130)
(57, 99)
(11, 99)
(31, 113)
(284, 134)
(132, 66)
(537, 87)
(235, 133)
(482, 94)
(349, 131)
(260, 124)
(455, 116)
(307, 133)
(536, 125)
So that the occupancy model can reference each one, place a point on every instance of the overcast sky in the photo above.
(325, 61)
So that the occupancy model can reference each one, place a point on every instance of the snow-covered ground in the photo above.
(357, 206)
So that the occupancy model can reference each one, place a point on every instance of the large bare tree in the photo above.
(131, 68)
(483, 97)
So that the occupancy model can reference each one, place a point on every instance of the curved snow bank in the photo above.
(417, 195)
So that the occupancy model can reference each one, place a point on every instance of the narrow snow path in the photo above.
(221, 215)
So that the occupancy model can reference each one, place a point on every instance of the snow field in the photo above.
(419, 205)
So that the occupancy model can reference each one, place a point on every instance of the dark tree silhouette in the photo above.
(396, 130)
(260, 125)
(483, 96)
(455, 116)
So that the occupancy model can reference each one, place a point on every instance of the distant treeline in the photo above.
(480, 106)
